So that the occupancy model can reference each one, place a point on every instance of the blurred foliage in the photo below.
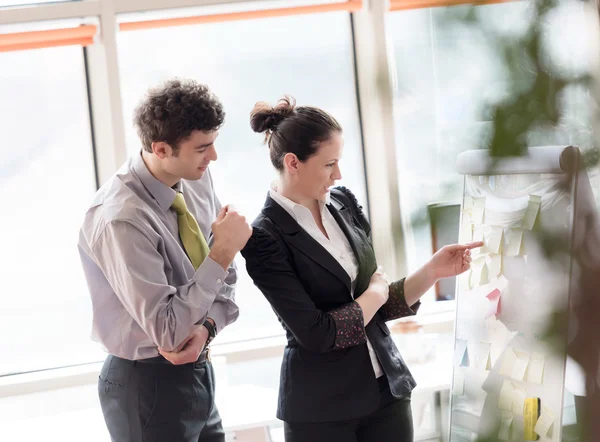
(534, 101)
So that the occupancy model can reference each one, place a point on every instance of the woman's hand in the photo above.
(380, 284)
(452, 260)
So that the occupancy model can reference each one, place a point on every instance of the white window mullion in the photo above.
(375, 88)
(105, 92)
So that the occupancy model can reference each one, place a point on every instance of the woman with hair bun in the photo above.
(342, 377)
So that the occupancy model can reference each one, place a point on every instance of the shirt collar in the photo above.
(291, 207)
(163, 194)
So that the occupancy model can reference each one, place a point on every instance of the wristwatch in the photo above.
(212, 331)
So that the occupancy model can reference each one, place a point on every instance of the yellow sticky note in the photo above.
(535, 373)
(530, 418)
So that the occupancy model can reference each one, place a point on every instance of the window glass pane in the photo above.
(245, 62)
(47, 180)
(448, 71)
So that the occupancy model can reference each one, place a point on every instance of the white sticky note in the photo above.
(479, 355)
(531, 212)
(520, 366)
(477, 236)
(505, 426)
(508, 362)
(518, 402)
(484, 277)
(494, 265)
(477, 216)
(460, 348)
(478, 275)
(458, 386)
(506, 396)
(514, 238)
(466, 231)
(535, 373)
(468, 203)
(544, 422)
(493, 236)
(479, 202)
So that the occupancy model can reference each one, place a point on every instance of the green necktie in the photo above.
(192, 238)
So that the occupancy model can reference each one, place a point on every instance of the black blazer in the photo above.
(326, 372)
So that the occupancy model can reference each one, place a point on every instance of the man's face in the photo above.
(193, 157)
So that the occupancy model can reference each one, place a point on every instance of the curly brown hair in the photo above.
(172, 110)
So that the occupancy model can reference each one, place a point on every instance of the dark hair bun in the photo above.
(265, 117)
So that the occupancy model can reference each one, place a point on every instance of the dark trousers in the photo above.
(392, 422)
(155, 401)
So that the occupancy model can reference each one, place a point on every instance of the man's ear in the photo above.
(161, 149)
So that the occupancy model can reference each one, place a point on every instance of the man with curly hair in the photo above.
(157, 249)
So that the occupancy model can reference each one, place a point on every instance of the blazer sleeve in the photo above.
(396, 306)
(270, 268)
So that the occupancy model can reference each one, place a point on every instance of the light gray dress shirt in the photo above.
(145, 291)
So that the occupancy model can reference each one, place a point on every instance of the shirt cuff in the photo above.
(396, 306)
(218, 313)
(211, 275)
(349, 326)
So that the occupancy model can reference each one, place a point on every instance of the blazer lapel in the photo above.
(361, 246)
(344, 218)
(298, 238)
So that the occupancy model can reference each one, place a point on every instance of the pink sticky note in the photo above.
(495, 306)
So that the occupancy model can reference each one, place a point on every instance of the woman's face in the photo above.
(314, 177)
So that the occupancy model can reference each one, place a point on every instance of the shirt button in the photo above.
(219, 281)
